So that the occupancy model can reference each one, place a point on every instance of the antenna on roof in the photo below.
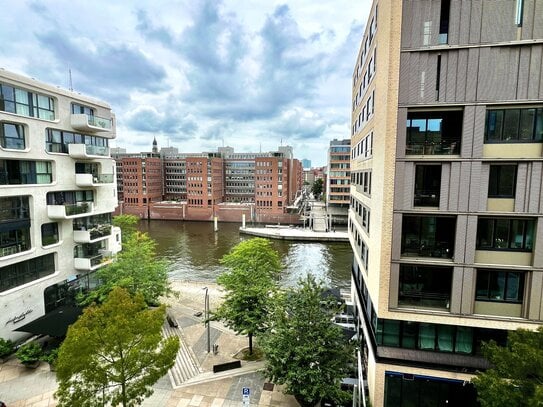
(70, 84)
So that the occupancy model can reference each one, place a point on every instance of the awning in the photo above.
(54, 323)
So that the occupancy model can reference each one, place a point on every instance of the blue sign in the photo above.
(246, 391)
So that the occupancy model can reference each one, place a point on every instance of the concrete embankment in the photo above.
(292, 233)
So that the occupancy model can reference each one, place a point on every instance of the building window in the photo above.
(49, 234)
(81, 109)
(514, 125)
(500, 286)
(15, 172)
(505, 234)
(57, 141)
(428, 236)
(22, 102)
(502, 181)
(425, 286)
(12, 136)
(24, 272)
(434, 133)
(427, 185)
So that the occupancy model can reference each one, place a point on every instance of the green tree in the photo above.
(135, 268)
(114, 353)
(516, 376)
(316, 189)
(250, 281)
(128, 225)
(304, 350)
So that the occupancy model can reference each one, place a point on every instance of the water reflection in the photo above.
(193, 250)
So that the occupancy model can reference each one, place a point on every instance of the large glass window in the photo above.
(14, 172)
(17, 274)
(514, 125)
(20, 101)
(12, 136)
(427, 185)
(428, 236)
(57, 141)
(49, 233)
(425, 286)
(14, 239)
(502, 181)
(505, 234)
(438, 132)
(500, 286)
(14, 208)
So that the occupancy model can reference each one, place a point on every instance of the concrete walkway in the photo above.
(296, 233)
(192, 384)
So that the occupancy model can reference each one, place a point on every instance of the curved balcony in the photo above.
(93, 124)
(90, 180)
(88, 152)
(93, 262)
(70, 211)
(92, 235)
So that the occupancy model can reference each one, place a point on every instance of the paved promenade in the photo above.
(190, 383)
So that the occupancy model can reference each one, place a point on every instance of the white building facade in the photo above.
(57, 193)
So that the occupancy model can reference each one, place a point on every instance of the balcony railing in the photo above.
(93, 261)
(87, 151)
(87, 180)
(90, 123)
(13, 249)
(92, 234)
(68, 211)
(427, 197)
(444, 147)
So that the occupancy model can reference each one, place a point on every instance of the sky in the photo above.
(198, 74)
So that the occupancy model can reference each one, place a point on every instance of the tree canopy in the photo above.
(317, 187)
(253, 268)
(304, 350)
(114, 353)
(516, 376)
(128, 225)
(135, 268)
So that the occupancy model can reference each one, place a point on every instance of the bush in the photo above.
(50, 357)
(29, 353)
(6, 347)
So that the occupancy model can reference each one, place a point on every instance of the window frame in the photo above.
(498, 117)
(507, 276)
(494, 232)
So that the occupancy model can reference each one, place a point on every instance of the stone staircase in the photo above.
(186, 365)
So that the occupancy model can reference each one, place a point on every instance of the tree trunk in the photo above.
(250, 343)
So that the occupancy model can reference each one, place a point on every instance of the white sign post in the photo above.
(246, 393)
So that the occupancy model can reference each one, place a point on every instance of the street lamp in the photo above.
(206, 316)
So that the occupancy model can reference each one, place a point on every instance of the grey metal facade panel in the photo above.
(402, 133)
(487, 74)
(396, 244)
(538, 244)
(405, 72)
(461, 74)
(455, 23)
(472, 74)
(468, 132)
(520, 195)
(498, 21)
(444, 190)
(483, 189)
(536, 67)
(408, 185)
(422, 21)
(465, 21)
(393, 288)
(538, 20)
(399, 186)
(454, 186)
(456, 291)
(535, 187)
(468, 290)
(464, 195)
(478, 131)
(527, 29)
(475, 22)
(475, 186)
(414, 78)
(470, 239)
(523, 73)
(447, 85)
(535, 303)
(407, 26)
(460, 239)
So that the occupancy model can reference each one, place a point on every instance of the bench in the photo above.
(221, 367)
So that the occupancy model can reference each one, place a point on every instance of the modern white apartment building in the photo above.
(57, 192)
(447, 158)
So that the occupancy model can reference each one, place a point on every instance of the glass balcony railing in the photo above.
(97, 150)
(77, 208)
(433, 148)
(13, 249)
(97, 121)
(103, 179)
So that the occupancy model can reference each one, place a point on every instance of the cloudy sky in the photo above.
(198, 73)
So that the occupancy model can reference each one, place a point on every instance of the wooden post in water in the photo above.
(243, 221)
(216, 224)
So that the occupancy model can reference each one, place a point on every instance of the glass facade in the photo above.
(514, 125)
(425, 286)
(505, 234)
(12, 136)
(57, 141)
(434, 133)
(14, 172)
(24, 103)
(427, 185)
(500, 286)
(428, 236)
(27, 271)
(502, 181)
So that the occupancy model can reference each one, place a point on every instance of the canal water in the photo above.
(193, 251)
